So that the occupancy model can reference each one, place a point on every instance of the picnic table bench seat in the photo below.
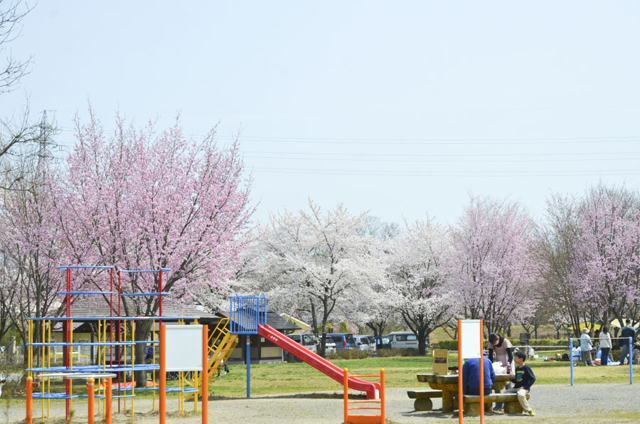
(510, 400)
(423, 398)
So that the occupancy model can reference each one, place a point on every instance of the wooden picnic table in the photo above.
(449, 386)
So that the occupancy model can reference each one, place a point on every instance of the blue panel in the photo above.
(247, 312)
(135, 271)
(82, 319)
(85, 267)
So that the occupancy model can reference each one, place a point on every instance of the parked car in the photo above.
(306, 340)
(362, 342)
(343, 340)
(365, 342)
(383, 343)
(329, 347)
(403, 340)
(372, 343)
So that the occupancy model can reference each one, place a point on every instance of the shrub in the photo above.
(548, 342)
(385, 353)
(453, 344)
(448, 344)
(349, 354)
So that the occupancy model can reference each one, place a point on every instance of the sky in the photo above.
(401, 108)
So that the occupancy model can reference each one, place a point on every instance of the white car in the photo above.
(329, 347)
(365, 342)
(306, 340)
(403, 340)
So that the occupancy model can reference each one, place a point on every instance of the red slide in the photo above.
(317, 361)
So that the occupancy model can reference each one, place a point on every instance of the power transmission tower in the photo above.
(44, 142)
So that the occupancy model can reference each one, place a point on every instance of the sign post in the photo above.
(183, 348)
(470, 345)
(440, 361)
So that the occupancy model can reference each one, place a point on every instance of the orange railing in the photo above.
(370, 405)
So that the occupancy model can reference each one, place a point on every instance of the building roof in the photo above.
(170, 309)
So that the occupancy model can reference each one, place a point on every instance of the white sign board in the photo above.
(470, 334)
(184, 347)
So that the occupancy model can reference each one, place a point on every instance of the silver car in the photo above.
(365, 342)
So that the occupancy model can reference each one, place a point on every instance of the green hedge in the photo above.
(453, 344)
(448, 344)
(549, 342)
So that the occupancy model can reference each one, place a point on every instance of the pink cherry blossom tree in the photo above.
(143, 199)
(29, 249)
(606, 265)
(554, 250)
(491, 266)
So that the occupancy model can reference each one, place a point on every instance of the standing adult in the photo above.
(605, 345)
(502, 349)
(627, 351)
(585, 347)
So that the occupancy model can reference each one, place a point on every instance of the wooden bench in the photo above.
(510, 400)
(423, 398)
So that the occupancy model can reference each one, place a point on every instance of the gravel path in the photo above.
(549, 401)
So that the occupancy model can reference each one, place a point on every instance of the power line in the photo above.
(445, 141)
(419, 141)
(412, 155)
(497, 174)
(444, 160)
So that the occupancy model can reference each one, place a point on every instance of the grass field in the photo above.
(400, 372)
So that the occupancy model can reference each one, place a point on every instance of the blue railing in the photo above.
(246, 313)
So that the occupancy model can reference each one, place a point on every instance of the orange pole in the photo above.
(90, 419)
(205, 374)
(345, 383)
(382, 408)
(481, 373)
(107, 407)
(460, 401)
(163, 374)
(29, 419)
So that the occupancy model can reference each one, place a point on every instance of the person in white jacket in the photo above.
(585, 347)
(605, 346)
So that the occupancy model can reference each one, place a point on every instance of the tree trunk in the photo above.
(142, 333)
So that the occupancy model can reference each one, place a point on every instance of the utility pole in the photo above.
(43, 141)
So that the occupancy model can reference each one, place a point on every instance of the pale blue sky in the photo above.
(400, 108)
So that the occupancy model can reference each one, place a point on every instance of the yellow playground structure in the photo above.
(114, 352)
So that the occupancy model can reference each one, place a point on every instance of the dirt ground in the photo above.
(597, 403)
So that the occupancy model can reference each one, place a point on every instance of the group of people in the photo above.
(500, 350)
(603, 340)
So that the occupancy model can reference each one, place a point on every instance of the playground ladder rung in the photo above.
(145, 294)
(86, 292)
(155, 318)
(83, 344)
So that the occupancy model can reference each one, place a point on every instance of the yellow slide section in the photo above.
(221, 344)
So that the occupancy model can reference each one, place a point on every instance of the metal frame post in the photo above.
(630, 360)
(205, 374)
(460, 398)
(481, 372)
(29, 418)
(163, 375)
(248, 365)
(91, 400)
(571, 357)
(107, 409)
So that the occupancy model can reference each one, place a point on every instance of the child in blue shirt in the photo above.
(524, 379)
